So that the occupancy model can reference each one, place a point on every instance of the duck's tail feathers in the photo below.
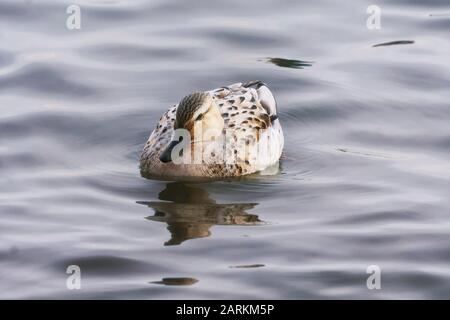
(255, 84)
(265, 96)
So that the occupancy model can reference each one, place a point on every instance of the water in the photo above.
(365, 177)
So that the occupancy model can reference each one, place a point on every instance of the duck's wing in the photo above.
(253, 90)
(246, 105)
(265, 96)
(249, 113)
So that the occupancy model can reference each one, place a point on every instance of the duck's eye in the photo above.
(199, 117)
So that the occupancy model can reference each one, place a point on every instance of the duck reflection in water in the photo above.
(191, 212)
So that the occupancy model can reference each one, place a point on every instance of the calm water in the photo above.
(365, 178)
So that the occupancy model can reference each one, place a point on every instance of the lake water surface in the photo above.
(364, 180)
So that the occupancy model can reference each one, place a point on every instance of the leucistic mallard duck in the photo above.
(226, 132)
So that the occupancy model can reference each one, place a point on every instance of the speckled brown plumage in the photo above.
(187, 107)
(245, 120)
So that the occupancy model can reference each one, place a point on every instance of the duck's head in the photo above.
(198, 114)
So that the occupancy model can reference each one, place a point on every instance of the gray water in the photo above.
(365, 176)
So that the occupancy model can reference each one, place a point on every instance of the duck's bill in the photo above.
(166, 156)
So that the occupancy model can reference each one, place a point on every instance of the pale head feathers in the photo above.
(190, 108)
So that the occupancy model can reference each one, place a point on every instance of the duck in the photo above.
(229, 131)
